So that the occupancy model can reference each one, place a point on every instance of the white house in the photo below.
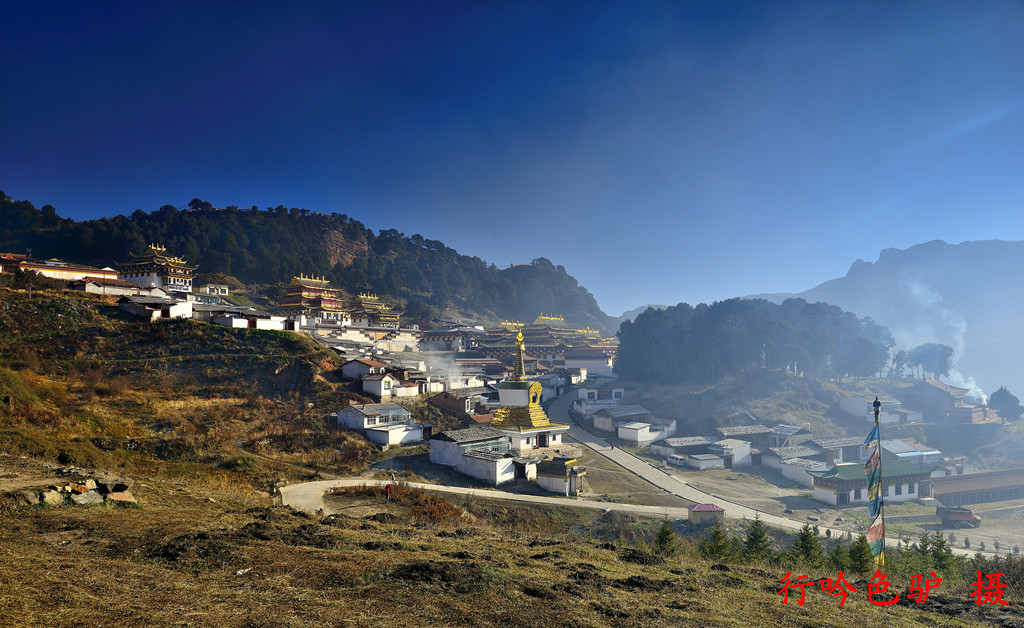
(481, 452)
(398, 434)
(597, 360)
(380, 385)
(635, 432)
(608, 417)
(384, 423)
(601, 394)
(682, 446)
(250, 320)
(799, 470)
(788, 435)
(842, 449)
(734, 452)
(774, 456)
(367, 415)
(703, 462)
(151, 308)
(360, 368)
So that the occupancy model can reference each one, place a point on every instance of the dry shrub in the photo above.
(424, 507)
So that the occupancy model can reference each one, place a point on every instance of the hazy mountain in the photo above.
(632, 314)
(967, 295)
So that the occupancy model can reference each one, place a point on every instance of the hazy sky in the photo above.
(660, 151)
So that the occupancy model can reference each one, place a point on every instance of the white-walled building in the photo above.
(734, 452)
(601, 394)
(151, 308)
(842, 449)
(561, 475)
(367, 415)
(380, 385)
(360, 368)
(481, 452)
(607, 418)
(635, 432)
(846, 485)
(702, 462)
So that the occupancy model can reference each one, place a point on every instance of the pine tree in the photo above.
(716, 544)
(758, 545)
(861, 558)
(924, 545)
(839, 557)
(807, 549)
(665, 541)
(942, 554)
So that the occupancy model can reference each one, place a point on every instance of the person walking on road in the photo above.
(387, 493)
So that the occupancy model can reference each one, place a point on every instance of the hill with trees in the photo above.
(708, 343)
(271, 246)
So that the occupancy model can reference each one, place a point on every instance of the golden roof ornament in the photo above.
(519, 371)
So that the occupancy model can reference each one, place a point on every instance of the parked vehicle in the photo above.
(677, 460)
(957, 517)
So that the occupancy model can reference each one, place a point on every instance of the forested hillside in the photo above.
(707, 343)
(272, 246)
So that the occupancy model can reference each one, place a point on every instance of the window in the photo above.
(371, 420)
(911, 488)
(899, 489)
(618, 394)
(885, 491)
(857, 493)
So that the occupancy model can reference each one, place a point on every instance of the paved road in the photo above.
(309, 496)
(559, 412)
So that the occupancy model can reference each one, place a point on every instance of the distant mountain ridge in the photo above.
(637, 311)
(968, 295)
(272, 246)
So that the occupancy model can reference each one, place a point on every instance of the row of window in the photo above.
(859, 493)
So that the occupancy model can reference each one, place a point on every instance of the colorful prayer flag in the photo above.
(873, 436)
(875, 482)
(873, 463)
(876, 530)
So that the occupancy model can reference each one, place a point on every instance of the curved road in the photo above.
(309, 496)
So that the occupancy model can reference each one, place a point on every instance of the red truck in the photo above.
(957, 517)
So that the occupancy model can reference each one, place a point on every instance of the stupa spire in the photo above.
(519, 370)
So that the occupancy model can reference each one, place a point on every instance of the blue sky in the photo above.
(662, 152)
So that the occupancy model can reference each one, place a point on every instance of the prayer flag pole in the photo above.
(873, 469)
